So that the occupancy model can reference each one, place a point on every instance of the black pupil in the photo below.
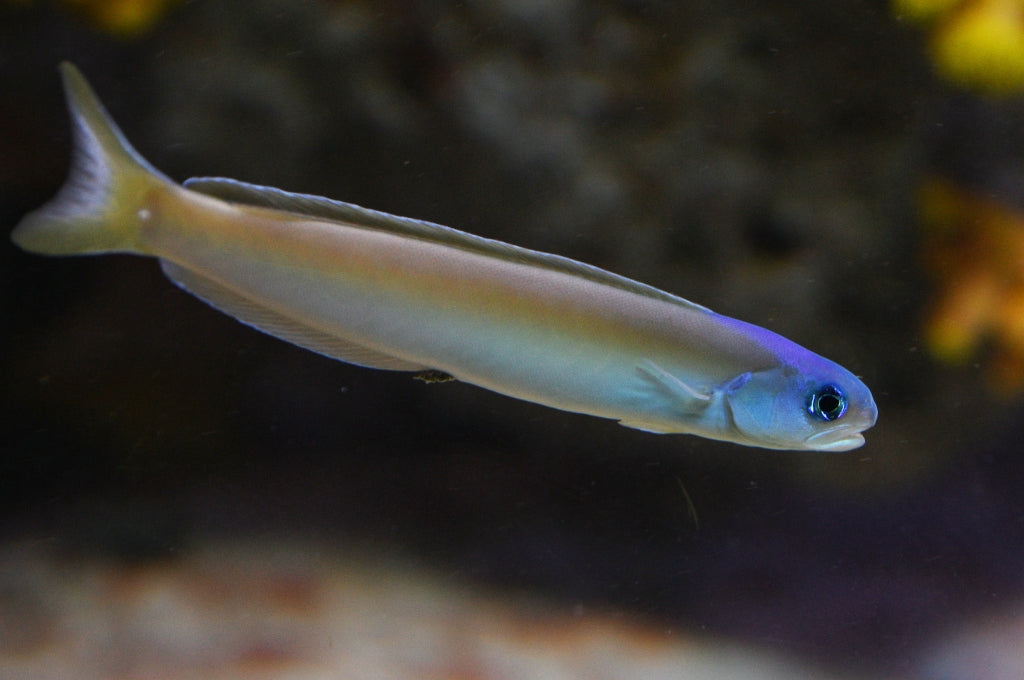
(828, 403)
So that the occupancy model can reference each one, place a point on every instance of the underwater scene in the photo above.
(404, 462)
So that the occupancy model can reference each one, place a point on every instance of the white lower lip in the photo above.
(845, 444)
(837, 439)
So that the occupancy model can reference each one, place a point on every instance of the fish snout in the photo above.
(844, 436)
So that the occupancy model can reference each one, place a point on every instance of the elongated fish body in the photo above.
(395, 293)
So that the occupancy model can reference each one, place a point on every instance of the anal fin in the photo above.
(260, 317)
(647, 427)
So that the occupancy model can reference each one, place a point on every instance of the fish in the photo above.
(401, 294)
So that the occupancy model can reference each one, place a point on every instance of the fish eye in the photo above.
(827, 403)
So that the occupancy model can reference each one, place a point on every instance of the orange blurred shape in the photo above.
(974, 246)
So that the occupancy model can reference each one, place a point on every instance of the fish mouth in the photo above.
(840, 438)
(846, 435)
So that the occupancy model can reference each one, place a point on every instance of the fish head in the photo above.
(819, 408)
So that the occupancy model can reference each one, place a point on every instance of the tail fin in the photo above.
(96, 209)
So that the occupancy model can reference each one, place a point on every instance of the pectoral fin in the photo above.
(689, 399)
(667, 396)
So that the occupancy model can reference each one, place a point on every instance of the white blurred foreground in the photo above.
(303, 610)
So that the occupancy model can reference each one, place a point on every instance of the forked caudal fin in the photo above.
(95, 210)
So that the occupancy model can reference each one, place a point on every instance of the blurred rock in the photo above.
(302, 609)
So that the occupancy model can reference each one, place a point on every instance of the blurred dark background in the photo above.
(759, 158)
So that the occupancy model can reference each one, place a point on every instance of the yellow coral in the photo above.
(919, 10)
(120, 17)
(977, 44)
(975, 248)
(126, 17)
(982, 45)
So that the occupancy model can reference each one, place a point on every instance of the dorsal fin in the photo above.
(234, 191)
